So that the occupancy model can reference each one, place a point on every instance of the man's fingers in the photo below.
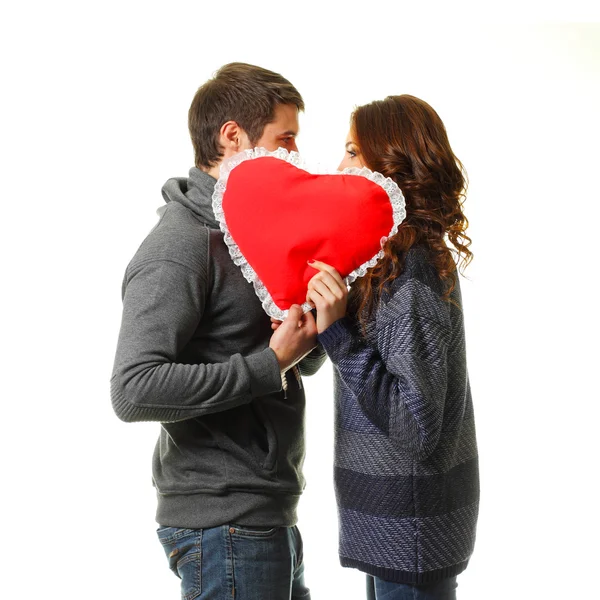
(309, 323)
(309, 317)
(295, 313)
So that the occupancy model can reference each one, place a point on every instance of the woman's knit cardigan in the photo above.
(406, 467)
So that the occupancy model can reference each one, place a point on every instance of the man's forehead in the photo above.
(283, 128)
(286, 117)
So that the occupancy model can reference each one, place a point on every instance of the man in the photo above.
(196, 352)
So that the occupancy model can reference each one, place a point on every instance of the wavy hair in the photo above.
(403, 138)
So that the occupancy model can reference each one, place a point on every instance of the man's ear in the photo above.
(233, 138)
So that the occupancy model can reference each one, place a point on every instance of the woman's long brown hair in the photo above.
(403, 138)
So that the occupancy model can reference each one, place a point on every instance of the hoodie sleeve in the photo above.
(312, 362)
(163, 302)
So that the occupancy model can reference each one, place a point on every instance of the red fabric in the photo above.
(281, 216)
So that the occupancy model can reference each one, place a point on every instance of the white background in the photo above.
(93, 121)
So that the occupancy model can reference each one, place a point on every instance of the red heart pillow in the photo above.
(276, 216)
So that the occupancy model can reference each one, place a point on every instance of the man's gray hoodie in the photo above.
(193, 354)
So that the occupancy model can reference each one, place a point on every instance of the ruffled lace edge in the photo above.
(388, 185)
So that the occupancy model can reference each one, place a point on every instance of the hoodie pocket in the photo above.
(248, 435)
(269, 438)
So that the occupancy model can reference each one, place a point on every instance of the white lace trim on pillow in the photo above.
(388, 185)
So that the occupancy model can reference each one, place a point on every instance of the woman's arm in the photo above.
(400, 382)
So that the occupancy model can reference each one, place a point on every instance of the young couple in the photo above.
(197, 353)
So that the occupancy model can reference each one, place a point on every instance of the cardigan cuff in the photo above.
(406, 577)
(333, 335)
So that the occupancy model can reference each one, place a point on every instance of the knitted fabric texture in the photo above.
(406, 465)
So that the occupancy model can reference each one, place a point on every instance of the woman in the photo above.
(406, 469)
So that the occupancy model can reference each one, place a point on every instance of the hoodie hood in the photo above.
(195, 193)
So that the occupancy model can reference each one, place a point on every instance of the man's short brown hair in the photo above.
(238, 92)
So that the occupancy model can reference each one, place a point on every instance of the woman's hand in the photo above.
(328, 293)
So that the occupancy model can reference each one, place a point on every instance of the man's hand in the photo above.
(294, 338)
(327, 291)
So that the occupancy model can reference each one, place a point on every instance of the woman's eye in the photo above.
(352, 154)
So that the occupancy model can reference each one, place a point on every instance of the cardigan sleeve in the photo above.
(399, 380)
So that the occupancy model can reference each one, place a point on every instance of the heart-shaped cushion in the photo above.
(276, 216)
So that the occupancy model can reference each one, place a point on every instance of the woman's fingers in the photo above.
(319, 286)
(325, 268)
(337, 289)
(330, 275)
(310, 302)
(315, 299)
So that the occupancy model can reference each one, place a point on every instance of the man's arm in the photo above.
(311, 363)
(162, 306)
(314, 360)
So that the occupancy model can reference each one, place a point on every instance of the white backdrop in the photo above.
(93, 122)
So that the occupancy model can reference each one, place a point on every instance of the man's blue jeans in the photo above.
(231, 561)
(378, 589)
